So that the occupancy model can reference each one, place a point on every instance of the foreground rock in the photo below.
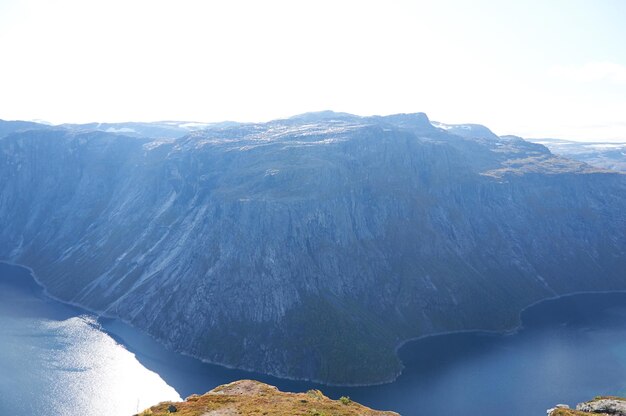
(603, 405)
(248, 397)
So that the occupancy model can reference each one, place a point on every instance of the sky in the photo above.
(533, 68)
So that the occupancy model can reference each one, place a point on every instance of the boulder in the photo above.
(608, 405)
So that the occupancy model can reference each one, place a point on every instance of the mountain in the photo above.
(309, 247)
(157, 129)
(603, 155)
(249, 397)
(12, 126)
(470, 131)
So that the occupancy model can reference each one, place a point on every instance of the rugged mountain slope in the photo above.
(308, 247)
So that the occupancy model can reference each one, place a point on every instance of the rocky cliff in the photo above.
(309, 247)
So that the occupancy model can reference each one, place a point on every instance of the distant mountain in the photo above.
(308, 247)
(603, 155)
(8, 127)
(470, 131)
(158, 129)
(326, 115)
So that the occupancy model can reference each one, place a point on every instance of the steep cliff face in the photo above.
(308, 247)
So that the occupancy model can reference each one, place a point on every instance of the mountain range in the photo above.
(608, 155)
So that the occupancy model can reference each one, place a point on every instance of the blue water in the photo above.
(63, 359)
(56, 359)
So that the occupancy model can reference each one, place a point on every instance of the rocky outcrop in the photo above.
(603, 405)
(248, 397)
(609, 405)
(308, 247)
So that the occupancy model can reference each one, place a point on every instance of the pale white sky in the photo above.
(534, 68)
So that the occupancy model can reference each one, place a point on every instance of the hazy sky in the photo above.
(545, 68)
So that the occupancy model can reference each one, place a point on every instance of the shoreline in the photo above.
(104, 315)
(504, 332)
(517, 328)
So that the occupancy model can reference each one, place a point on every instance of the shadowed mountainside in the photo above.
(308, 247)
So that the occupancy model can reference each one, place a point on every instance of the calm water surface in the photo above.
(56, 359)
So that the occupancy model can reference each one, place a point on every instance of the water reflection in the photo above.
(56, 360)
